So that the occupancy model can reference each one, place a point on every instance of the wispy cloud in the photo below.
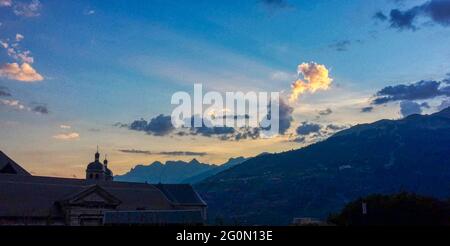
(65, 126)
(67, 136)
(167, 153)
(342, 45)
(367, 109)
(274, 5)
(14, 50)
(5, 3)
(88, 12)
(16, 104)
(325, 112)
(27, 9)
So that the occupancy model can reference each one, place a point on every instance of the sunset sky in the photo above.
(77, 74)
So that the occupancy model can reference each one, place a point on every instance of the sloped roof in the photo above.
(36, 196)
(26, 195)
(7, 163)
(181, 194)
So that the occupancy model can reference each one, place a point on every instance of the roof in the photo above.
(181, 194)
(95, 166)
(7, 165)
(177, 217)
(36, 196)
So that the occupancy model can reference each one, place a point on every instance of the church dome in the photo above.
(108, 172)
(95, 166)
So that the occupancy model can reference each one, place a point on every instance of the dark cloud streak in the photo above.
(167, 153)
(425, 89)
(438, 11)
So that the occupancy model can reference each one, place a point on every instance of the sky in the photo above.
(77, 74)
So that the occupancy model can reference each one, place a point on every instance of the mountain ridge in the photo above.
(175, 172)
(387, 156)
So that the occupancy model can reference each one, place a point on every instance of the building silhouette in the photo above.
(96, 200)
(98, 171)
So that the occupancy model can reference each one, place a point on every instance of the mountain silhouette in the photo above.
(175, 172)
(387, 156)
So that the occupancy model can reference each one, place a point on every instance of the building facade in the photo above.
(97, 200)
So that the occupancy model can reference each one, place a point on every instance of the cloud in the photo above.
(4, 92)
(425, 89)
(224, 132)
(29, 9)
(316, 77)
(65, 126)
(4, 44)
(342, 45)
(299, 139)
(444, 104)
(5, 3)
(425, 105)
(19, 37)
(325, 112)
(282, 76)
(162, 126)
(183, 153)
(438, 11)
(41, 109)
(307, 128)
(334, 127)
(285, 118)
(24, 72)
(380, 16)
(158, 126)
(67, 136)
(121, 125)
(13, 50)
(168, 153)
(409, 107)
(25, 57)
(403, 19)
(89, 12)
(367, 109)
(276, 4)
(18, 105)
(14, 103)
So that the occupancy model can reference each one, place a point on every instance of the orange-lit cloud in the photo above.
(67, 136)
(315, 77)
(24, 72)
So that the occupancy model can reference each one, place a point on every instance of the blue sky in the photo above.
(104, 62)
